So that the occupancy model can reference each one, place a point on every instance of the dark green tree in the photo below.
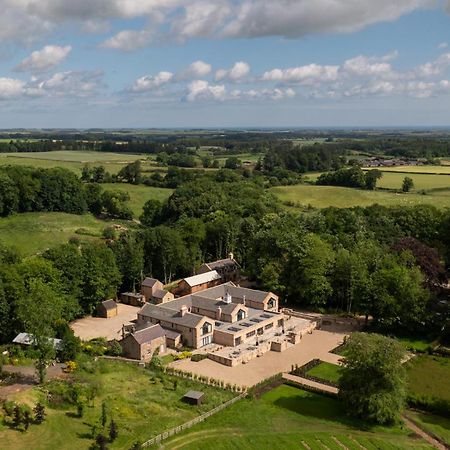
(372, 384)
(408, 184)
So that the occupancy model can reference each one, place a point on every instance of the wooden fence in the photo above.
(167, 434)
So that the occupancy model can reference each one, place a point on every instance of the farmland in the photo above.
(290, 418)
(142, 402)
(75, 160)
(300, 196)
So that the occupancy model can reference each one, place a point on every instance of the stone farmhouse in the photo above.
(227, 268)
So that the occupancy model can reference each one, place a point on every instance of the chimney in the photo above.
(183, 310)
(218, 313)
(227, 298)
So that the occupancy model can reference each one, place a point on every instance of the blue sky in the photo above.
(233, 63)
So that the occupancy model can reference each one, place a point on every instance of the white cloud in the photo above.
(148, 83)
(270, 94)
(128, 40)
(239, 71)
(296, 18)
(10, 87)
(370, 66)
(435, 67)
(197, 69)
(443, 45)
(309, 74)
(41, 60)
(202, 90)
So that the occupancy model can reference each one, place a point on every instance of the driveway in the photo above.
(312, 346)
(95, 327)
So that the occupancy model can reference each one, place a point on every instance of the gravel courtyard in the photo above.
(94, 327)
(315, 345)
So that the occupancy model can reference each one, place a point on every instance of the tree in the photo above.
(17, 416)
(104, 415)
(151, 213)
(233, 163)
(39, 413)
(408, 184)
(26, 418)
(372, 176)
(101, 441)
(113, 431)
(373, 380)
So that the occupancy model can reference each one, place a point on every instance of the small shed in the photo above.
(107, 309)
(194, 397)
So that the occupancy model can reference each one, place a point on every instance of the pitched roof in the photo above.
(159, 312)
(209, 304)
(202, 278)
(109, 304)
(221, 263)
(196, 395)
(148, 334)
(160, 293)
(28, 339)
(150, 282)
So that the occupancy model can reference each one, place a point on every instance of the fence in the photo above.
(167, 434)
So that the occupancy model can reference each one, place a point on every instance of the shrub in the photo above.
(198, 357)
(183, 355)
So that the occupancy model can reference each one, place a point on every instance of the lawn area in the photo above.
(142, 408)
(75, 160)
(35, 232)
(139, 194)
(285, 418)
(303, 195)
(416, 344)
(393, 180)
(439, 426)
(326, 371)
(429, 376)
(444, 169)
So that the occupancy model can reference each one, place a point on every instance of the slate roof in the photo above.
(202, 278)
(148, 334)
(109, 305)
(160, 293)
(149, 282)
(195, 395)
(212, 305)
(159, 312)
(28, 339)
(221, 263)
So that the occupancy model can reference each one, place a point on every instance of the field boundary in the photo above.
(172, 432)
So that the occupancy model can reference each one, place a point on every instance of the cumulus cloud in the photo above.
(47, 58)
(185, 19)
(443, 45)
(128, 40)
(308, 74)
(197, 69)
(435, 67)
(239, 71)
(148, 83)
(10, 88)
(255, 94)
(202, 90)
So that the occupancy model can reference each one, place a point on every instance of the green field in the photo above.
(429, 376)
(326, 371)
(301, 196)
(289, 418)
(76, 160)
(436, 425)
(142, 404)
(139, 194)
(393, 180)
(33, 233)
(444, 169)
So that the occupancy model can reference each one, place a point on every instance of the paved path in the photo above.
(423, 434)
(313, 384)
(332, 358)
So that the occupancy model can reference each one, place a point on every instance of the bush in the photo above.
(199, 357)
(430, 404)
(114, 348)
(183, 355)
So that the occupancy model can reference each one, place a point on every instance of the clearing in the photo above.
(35, 232)
(142, 402)
(290, 418)
(302, 195)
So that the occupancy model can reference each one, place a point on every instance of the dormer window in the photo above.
(206, 328)
(271, 303)
(241, 315)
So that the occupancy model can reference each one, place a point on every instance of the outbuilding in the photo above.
(194, 397)
(107, 309)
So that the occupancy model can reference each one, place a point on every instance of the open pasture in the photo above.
(394, 180)
(76, 160)
(443, 169)
(290, 418)
(301, 196)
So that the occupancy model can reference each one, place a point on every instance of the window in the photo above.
(206, 340)
(249, 335)
(268, 326)
(206, 328)
(271, 303)
(241, 314)
(237, 341)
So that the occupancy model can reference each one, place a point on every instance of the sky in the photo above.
(224, 63)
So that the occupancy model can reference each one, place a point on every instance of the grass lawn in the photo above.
(35, 232)
(139, 194)
(429, 376)
(76, 160)
(141, 408)
(439, 426)
(285, 418)
(326, 371)
(303, 195)
(415, 343)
